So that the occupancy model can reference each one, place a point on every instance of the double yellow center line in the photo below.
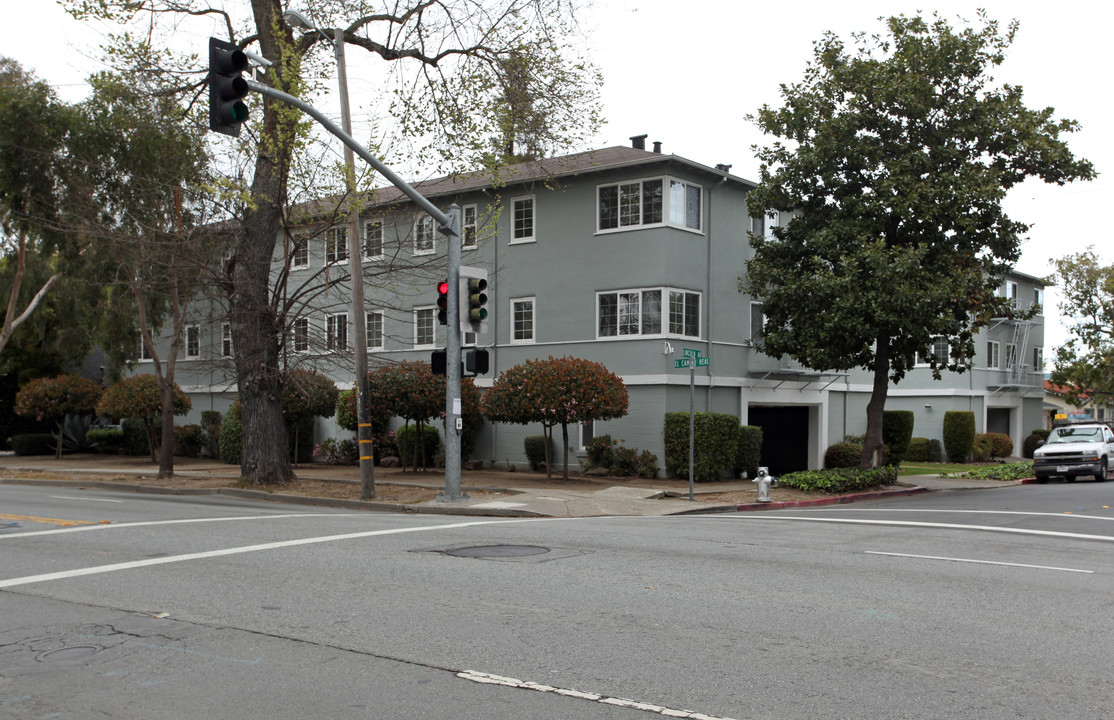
(48, 521)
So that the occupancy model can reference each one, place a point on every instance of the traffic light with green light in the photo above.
(227, 89)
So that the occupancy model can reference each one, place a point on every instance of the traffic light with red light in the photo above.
(443, 302)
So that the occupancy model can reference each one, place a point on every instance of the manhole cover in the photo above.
(499, 551)
(69, 653)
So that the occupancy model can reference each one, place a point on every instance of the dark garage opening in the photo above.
(998, 420)
(784, 437)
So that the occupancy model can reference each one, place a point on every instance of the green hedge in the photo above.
(845, 454)
(231, 439)
(716, 445)
(135, 441)
(959, 435)
(188, 441)
(107, 440)
(405, 438)
(535, 450)
(34, 444)
(923, 450)
(749, 453)
(840, 480)
(897, 432)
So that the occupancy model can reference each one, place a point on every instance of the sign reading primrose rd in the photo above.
(691, 358)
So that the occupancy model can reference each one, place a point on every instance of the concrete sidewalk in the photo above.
(532, 497)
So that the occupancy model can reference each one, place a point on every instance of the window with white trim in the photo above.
(424, 327)
(373, 239)
(300, 331)
(336, 245)
(226, 340)
(1038, 359)
(522, 320)
(587, 432)
(193, 342)
(937, 351)
(144, 352)
(336, 332)
(299, 254)
(628, 313)
(423, 235)
(1011, 355)
(1010, 292)
(757, 321)
(468, 234)
(374, 322)
(1038, 300)
(522, 219)
(993, 356)
(645, 203)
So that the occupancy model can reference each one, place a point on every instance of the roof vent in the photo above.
(723, 168)
(638, 142)
(657, 146)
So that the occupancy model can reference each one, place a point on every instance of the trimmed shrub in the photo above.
(840, 480)
(715, 446)
(981, 449)
(231, 439)
(1033, 441)
(108, 441)
(959, 435)
(599, 452)
(749, 454)
(188, 441)
(625, 461)
(843, 455)
(647, 467)
(897, 431)
(406, 438)
(136, 440)
(1001, 445)
(923, 450)
(535, 450)
(33, 444)
(338, 452)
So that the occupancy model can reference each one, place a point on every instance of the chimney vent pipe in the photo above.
(638, 142)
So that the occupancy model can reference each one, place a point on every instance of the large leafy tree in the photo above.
(1085, 363)
(891, 163)
(557, 391)
(443, 62)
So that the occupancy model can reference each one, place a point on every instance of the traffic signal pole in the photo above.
(449, 226)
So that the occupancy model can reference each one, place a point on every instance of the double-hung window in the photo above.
(299, 254)
(374, 322)
(629, 313)
(193, 342)
(336, 332)
(757, 322)
(336, 245)
(225, 340)
(522, 319)
(646, 203)
(301, 334)
(937, 351)
(423, 235)
(468, 227)
(993, 354)
(522, 220)
(373, 239)
(424, 327)
(1038, 359)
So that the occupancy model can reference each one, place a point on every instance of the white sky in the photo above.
(687, 74)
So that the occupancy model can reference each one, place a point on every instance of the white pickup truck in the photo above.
(1071, 451)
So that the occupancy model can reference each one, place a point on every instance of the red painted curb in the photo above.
(837, 500)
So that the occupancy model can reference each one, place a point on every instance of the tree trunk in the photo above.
(547, 433)
(872, 444)
(565, 437)
(166, 452)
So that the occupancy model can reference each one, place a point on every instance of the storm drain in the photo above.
(72, 652)
(498, 551)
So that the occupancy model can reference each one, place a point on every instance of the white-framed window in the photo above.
(374, 324)
(522, 220)
(373, 239)
(468, 230)
(299, 253)
(1011, 355)
(336, 332)
(645, 203)
(587, 432)
(424, 235)
(937, 351)
(522, 320)
(336, 245)
(628, 313)
(769, 222)
(193, 342)
(1038, 300)
(757, 321)
(993, 354)
(300, 332)
(144, 352)
(1038, 359)
(226, 340)
(424, 327)
(1009, 291)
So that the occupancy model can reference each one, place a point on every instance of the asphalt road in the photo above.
(990, 604)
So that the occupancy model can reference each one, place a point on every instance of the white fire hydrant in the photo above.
(763, 479)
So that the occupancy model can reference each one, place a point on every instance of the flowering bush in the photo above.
(54, 398)
(140, 397)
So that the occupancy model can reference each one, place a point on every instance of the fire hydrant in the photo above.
(763, 479)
